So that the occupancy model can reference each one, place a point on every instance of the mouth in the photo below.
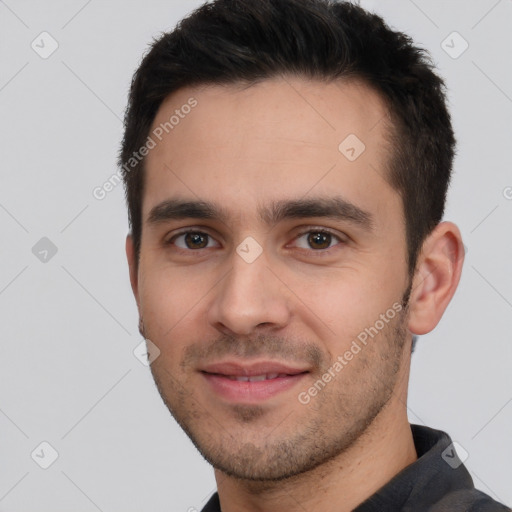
(254, 378)
(251, 383)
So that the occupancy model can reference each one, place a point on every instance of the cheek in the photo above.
(339, 304)
(170, 301)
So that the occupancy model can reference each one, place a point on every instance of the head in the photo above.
(233, 42)
(286, 165)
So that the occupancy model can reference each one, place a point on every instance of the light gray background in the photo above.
(69, 325)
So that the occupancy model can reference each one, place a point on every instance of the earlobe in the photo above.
(436, 278)
(132, 265)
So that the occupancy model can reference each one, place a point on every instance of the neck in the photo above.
(341, 484)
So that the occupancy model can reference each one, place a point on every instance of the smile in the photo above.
(256, 378)
(237, 382)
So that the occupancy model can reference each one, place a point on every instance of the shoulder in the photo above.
(468, 500)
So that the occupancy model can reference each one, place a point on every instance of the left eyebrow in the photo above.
(336, 208)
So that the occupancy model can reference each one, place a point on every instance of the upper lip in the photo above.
(237, 369)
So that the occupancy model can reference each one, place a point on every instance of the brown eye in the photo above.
(196, 240)
(193, 240)
(319, 240)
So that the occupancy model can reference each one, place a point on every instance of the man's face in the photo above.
(270, 252)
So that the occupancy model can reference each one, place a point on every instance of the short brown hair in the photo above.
(232, 41)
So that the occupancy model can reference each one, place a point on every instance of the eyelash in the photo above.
(322, 231)
(172, 240)
(318, 252)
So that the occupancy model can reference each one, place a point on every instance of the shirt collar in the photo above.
(437, 472)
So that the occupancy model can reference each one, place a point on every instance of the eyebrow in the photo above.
(335, 208)
(173, 209)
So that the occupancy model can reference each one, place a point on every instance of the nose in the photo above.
(249, 298)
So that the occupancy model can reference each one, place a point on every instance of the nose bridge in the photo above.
(249, 296)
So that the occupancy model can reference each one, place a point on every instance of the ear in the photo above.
(133, 267)
(437, 275)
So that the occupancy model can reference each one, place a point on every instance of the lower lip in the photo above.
(250, 392)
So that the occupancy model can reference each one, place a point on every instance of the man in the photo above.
(286, 165)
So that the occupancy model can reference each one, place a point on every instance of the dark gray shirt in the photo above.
(436, 482)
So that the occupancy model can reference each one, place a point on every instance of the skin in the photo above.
(301, 303)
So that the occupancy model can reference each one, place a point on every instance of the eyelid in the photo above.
(169, 239)
(340, 240)
(321, 229)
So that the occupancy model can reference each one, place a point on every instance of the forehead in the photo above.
(242, 145)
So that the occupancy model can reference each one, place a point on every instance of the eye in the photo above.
(317, 240)
(193, 240)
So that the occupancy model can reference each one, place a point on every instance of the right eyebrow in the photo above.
(172, 209)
